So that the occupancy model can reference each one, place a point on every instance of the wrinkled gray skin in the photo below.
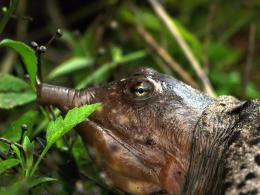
(173, 140)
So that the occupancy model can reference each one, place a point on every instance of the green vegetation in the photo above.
(103, 41)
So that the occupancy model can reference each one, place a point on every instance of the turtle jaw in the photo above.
(118, 160)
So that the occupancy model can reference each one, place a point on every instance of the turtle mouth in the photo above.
(130, 147)
(130, 162)
(123, 143)
(109, 132)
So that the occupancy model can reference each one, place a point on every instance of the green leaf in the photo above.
(14, 92)
(79, 152)
(150, 20)
(56, 129)
(223, 55)
(70, 65)
(37, 181)
(81, 45)
(100, 73)
(73, 42)
(11, 100)
(88, 43)
(252, 91)
(7, 164)
(23, 186)
(97, 76)
(146, 17)
(26, 143)
(229, 82)
(14, 130)
(28, 57)
(116, 54)
(16, 151)
(28, 151)
(11, 83)
(18, 154)
(13, 190)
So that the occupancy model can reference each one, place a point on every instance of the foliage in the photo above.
(56, 129)
(14, 92)
(7, 164)
(101, 43)
(28, 57)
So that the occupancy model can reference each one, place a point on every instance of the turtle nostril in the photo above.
(150, 142)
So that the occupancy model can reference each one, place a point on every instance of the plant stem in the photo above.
(12, 7)
(45, 150)
(163, 53)
(169, 23)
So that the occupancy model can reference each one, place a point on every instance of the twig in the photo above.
(4, 140)
(18, 17)
(249, 61)
(184, 46)
(161, 51)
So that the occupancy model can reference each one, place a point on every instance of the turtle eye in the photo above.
(140, 89)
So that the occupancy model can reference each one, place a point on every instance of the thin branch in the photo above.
(4, 140)
(18, 17)
(161, 51)
(250, 56)
(163, 15)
